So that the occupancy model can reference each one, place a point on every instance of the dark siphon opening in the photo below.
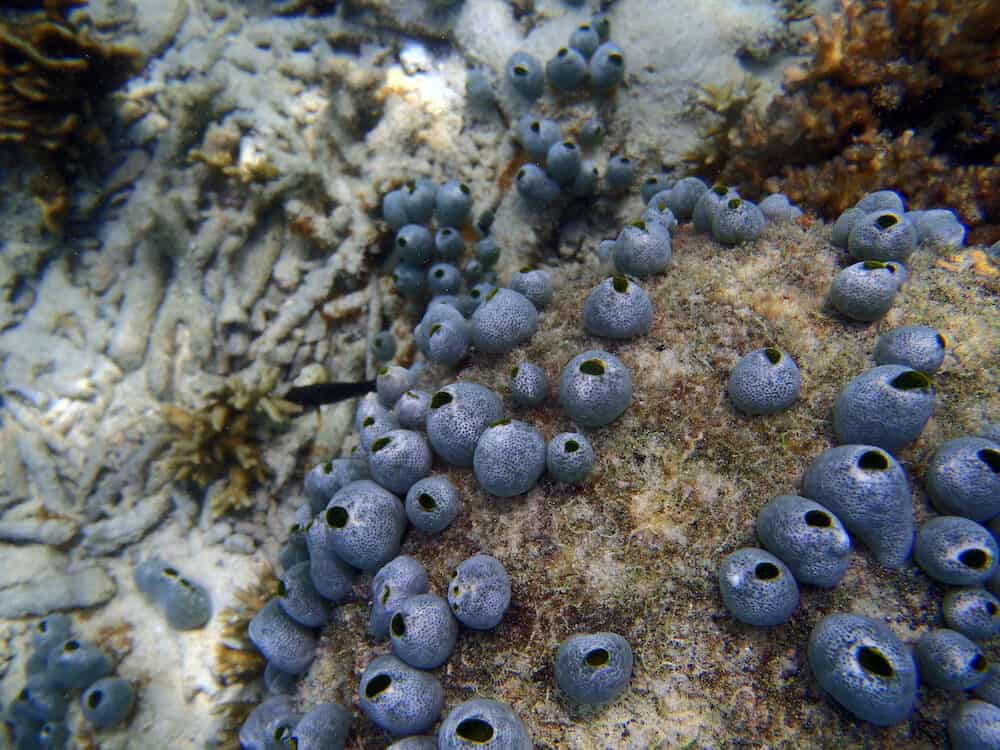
(766, 571)
(974, 558)
(818, 518)
(474, 730)
(377, 685)
(872, 660)
(873, 461)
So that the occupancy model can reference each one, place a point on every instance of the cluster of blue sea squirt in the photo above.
(859, 489)
(59, 668)
(355, 520)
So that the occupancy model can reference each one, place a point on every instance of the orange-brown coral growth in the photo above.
(52, 74)
(223, 439)
(898, 94)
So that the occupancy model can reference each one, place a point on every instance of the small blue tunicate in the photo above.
(332, 577)
(399, 698)
(185, 604)
(432, 504)
(593, 668)
(366, 524)
(844, 224)
(449, 243)
(569, 457)
(642, 249)
(533, 283)
(536, 188)
(384, 346)
(882, 235)
(938, 227)
(881, 200)
(374, 425)
(595, 388)
(52, 630)
(619, 174)
(457, 416)
(757, 588)
(586, 180)
(950, 661)
(108, 702)
(254, 733)
(480, 292)
(591, 133)
(956, 551)
(607, 67)
(394, 208)
(415, 244)
(536, 135)
(562, 162)
(40, 700)
(658, 209)
(437, 311)
(567, 70)
(443, 278)
(54, 735)
(867, 489)
(485, 724)
(409, 281)
(390, 383)
(479, 592)
(974, 725)
(656, 184)
(886, 406)
(683, 196)
(420, 195)
(505, 319)
(585, 40)
(807, 537)
(299, 599)
(765, 381)
(777, 208)
(397, 580)
(963, 478)
(736, 221)
(526, 75)
(919, 347)
(865, 667)
(619, 309)
(864, 291)
(411, 411)
(509, 458)
(448, 342)
(973, 612)
(290, 646)
(323, 727)
(529, 385)
(452, 204)
(423, 631)
(488, 253)
(708, 205)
